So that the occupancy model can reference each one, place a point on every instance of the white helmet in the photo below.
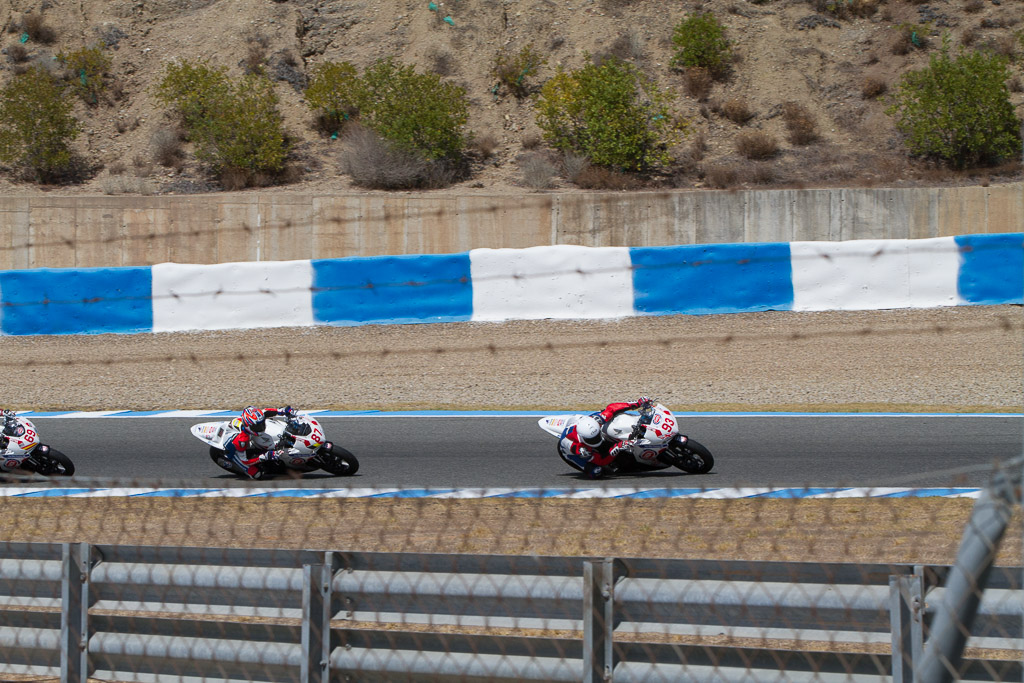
(589, 431)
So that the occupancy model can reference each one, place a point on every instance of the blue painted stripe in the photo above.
(798, 492)
(76, 301)
(55, 493)
(991, 268)
(533, 493)
(717, 278)
(392, 289)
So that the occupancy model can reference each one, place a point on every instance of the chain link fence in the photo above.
(126, 580)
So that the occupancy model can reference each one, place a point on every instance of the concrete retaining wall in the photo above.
(99, 231)
(555, 282)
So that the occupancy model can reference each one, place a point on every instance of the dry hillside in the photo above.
(815, 53)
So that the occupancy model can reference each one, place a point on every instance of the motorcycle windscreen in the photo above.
(556, 424)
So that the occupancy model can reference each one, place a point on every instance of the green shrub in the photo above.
(87, 70)
(958, 109)
(194, 90)
(236, 127)
(611, 113)
(700, 41)
(36, 125)
(332, 94)
(415, 111)
(512, 69)
(246, 134)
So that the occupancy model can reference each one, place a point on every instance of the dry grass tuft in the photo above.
(486, 145)
(873, 87)
(734, 109)
(721, 176)
(599, 178)
(38, 30)
(538, 172)
(698, 83)
(756, 144)
(166, 144)
(800, 123)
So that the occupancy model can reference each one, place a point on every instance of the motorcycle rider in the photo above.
(10, 427)
(252, 422)
(586, 445)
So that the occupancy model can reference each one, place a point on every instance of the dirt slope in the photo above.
(787, 50)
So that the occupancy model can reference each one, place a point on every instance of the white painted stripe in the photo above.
(859, 492)
(731, 493)
(875, 274)
(232, 295)
(562, 282)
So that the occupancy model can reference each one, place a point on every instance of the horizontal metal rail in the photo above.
(153, 611)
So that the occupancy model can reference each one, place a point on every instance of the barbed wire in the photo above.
(1004, 324)
(244, 227)
(744, 261)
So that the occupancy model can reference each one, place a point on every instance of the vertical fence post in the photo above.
(598, 620)
(317, 611)
(966, 581)
(75, 599)
(906, 596)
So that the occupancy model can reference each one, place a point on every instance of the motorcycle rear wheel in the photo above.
(54, 463)
(692, 457)
(339, 461)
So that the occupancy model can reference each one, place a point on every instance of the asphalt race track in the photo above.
(512, 451)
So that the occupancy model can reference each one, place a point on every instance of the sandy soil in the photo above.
(960, 358)
(784, 51)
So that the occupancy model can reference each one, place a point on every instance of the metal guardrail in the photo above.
(273, 615)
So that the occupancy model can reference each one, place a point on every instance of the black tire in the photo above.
(216, 453)
(692, 457)
(53, 463)
(339, 461)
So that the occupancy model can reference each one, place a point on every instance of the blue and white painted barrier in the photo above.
(555, 282)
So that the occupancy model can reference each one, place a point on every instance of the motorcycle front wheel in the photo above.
(691, 456)
(53, 463)
(338, 461)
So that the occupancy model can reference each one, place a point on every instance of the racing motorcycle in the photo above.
(652, 438)
(22, 452)
(298, 443)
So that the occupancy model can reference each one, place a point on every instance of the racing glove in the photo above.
(620, 447)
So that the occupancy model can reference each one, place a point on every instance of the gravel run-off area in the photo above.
(965, 358)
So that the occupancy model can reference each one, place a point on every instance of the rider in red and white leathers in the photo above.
(242, 455)
(586, 447)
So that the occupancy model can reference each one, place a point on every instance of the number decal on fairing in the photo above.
(668, 425)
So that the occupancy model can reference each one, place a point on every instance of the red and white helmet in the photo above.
(589, 431)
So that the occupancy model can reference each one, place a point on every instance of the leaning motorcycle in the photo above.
(21, 452)
(652, 438)
(298, 442)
